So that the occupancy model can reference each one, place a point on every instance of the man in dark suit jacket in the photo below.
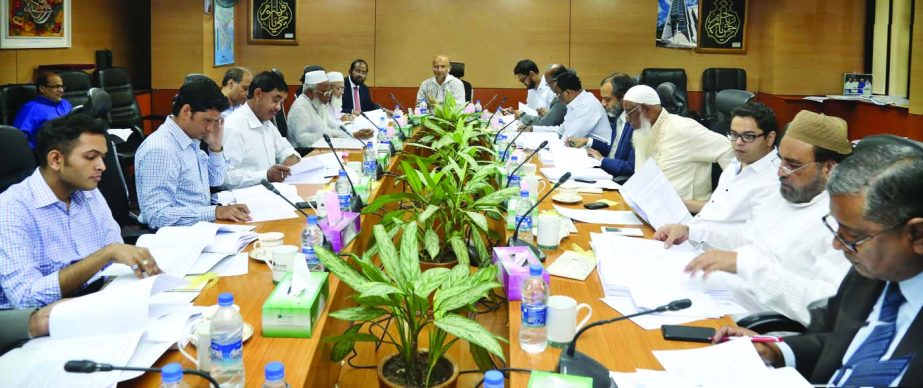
(871, 332)
(19, 325)
(355, 86)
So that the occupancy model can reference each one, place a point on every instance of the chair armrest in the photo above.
(770, 322)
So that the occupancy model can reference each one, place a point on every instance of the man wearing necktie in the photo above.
(871, 332)
(356, 97)
(616, 154)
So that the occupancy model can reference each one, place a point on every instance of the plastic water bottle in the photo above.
(493, 379)
(344, 193)
(477, 107)
(227, 351)
(511, 164)
(502, 144)
(370, 161)
(274, 375)
(312, 237)
(511, 205)
(424, 107)
(524, 217)
(171, 376)
(382, 129)
(533, 336)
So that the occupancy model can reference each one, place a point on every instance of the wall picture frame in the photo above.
(224, 35)
(722, 26)
(273, 22)
(35, 24)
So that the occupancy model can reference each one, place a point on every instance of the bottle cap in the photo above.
(369, 145)
(535, 269)
(523, 193)
(343, 173)
(493, 377)
(274, 371)
(225, 299)
(312, 219)
(171, 373)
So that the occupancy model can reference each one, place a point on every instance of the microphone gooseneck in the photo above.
(275, 191)
(560, 182)
(88, 366)
(526, 159)
(352, 187)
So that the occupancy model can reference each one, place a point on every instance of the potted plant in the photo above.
(428, 304)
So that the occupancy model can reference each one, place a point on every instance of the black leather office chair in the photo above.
(76, 85)
(671, 99)
(457, 70)
(12, 97)
(114, 188)
(17, 161)
(98, 103)
(653, 77)
(725, 103)
(770, 322)
(194, 76)
(715, 80)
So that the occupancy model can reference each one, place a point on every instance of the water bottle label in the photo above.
(533, 315)
(369, 166)
(310, 258)
(344, 201)
(225, 353)
(526, 222)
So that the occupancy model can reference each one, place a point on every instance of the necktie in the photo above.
(867, 367)
(357, 106)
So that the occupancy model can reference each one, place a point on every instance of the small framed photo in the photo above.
(855, 84)
(273, 22)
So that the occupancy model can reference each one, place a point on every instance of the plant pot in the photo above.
(425, 265)
(387, 362)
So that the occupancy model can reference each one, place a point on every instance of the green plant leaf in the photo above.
(461, 250)
(431, 243)
(384, 200)
(358, 313)
(344, 344)
(495, 198)
(387, 254)
(430, 280)
(430, 209)
(479, 220)
(470, 331)
(451, 299)
(337, 266)
(481, 357)
(379, 289)
(410, 252)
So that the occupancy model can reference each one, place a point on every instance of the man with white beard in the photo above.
(309, 117)
(335, 107)
(683, 149)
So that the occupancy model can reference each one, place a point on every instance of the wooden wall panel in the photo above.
(177, 46)
(488, 36)
(916, 63)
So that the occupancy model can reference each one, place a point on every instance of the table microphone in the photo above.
(395, 101)
(513, 141)
(499, 106)
(497, 136)
(514, 240)
(87, 366)
(357, 204)
(575, 363)
(346, 131)
(272, 188)
(380, 130)
(526, 159)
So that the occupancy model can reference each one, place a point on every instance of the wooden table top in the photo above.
(621, 346)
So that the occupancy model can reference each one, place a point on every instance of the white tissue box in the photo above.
(294, 316)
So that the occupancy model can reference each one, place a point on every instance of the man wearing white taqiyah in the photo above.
(682, 148)
(585, 116)
(309, 117)
(441, 84)
(337, 84)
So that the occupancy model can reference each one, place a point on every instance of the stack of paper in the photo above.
(531, 140)
(651, 196)
(733, 363)
(264, 205)
(590, 174)
(526, 110)
(341, 143)
(570, 158)
(604, 217)
(317, 169)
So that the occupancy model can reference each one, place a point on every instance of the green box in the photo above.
(294, 316)
(542, 379)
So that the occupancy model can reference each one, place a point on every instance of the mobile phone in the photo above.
(687, 333)
(631, 232)
(596, 205)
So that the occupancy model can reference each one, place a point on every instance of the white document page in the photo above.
(590, 174)
(525, 109)
(733, 363)
(651, 196)
(340, 143)
(572, 158)
(604, 217)
(531, 140)
(264, 205)
(233, 265)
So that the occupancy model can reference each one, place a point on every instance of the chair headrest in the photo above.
(880, 140)
(728, 99)
(667, 93)
(457, 69)
(75, 80)
(98, 103)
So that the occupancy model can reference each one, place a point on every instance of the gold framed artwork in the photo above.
(273, 22)
(722, 26)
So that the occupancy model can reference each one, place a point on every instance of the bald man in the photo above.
(441, 84)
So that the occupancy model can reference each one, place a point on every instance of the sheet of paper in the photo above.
(230, 242)
(572, 265)
(590, 174)
(264, 205)
(651, 196)
(604, 217)
(570, 158)
(531, 140)
(625, 306)
(313, 177)
(146, 353)
(729, 364)
(233, 265)
(324, 160)
(340, 143)
(122, 133)
(645, 378)
(525, 109)
(206, 261)
(604, 184)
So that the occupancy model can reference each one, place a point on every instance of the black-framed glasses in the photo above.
(853, 245)
(748, 137)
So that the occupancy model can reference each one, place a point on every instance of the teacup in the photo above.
(562, 319)
(265, 242)
(280, 260)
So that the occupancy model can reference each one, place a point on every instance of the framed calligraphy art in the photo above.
(722, 26)
(35, 24)
(273, 22)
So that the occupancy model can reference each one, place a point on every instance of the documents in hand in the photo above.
(651, 195)
(531, 140)
(317, 169)
(638, 275)
(526, 110)
(607, 217)
(264, 205)
(734, 363)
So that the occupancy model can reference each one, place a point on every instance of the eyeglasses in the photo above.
(853, 246)
(629, 113)
(786, 171)
(747, 137)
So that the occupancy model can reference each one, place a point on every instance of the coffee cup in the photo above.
(265, 242)
(280, 261)
(529, 169)
(549, 231)
(567, 191)
(199, 335)
(535, 185)
(562, 319)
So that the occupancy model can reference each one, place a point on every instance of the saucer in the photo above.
(567, 199)
(257, 254)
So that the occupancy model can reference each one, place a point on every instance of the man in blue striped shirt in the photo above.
(56, 230)
(174, 174)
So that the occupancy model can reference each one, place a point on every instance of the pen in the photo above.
(757, 339)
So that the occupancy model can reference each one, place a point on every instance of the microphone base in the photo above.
(582, 365)
(519, 243)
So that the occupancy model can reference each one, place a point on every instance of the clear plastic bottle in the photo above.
(312, 237)
(524, 217)
(533, 336)
(502, 144)
(171, 376)
(477, 107)
(511, 205)
(493, 379)
(274, 375)
(370, 161)
(424, 107)
(382, 129)
(511, 164)
(227, 351)
(344, 192)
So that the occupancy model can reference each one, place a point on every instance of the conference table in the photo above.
(621, 346)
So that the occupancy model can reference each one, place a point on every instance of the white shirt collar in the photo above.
(252, 120)
(912, 289)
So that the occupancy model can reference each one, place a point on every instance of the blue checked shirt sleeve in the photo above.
(157, 172)
(217, 168)
(20, 276)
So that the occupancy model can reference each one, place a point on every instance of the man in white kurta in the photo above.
(337, 84)
(309, 116)
(743, 187)
(784, 259)
(585, 116)
(441, 84)
(683, 149)
(253, 146)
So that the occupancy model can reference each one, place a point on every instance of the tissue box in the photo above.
(341, 234)
(294, 316)
(540, 379)
(512, 274)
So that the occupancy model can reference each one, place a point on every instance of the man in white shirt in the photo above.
(554, 113)
(253, 146)
(441, 84)
(744, 186)
(616, 154)
(683, 149)
(871, 332)
(538, 92)
(234, 86)
(585, 116)
(782, 260)
(335, 107)
(309, 117)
